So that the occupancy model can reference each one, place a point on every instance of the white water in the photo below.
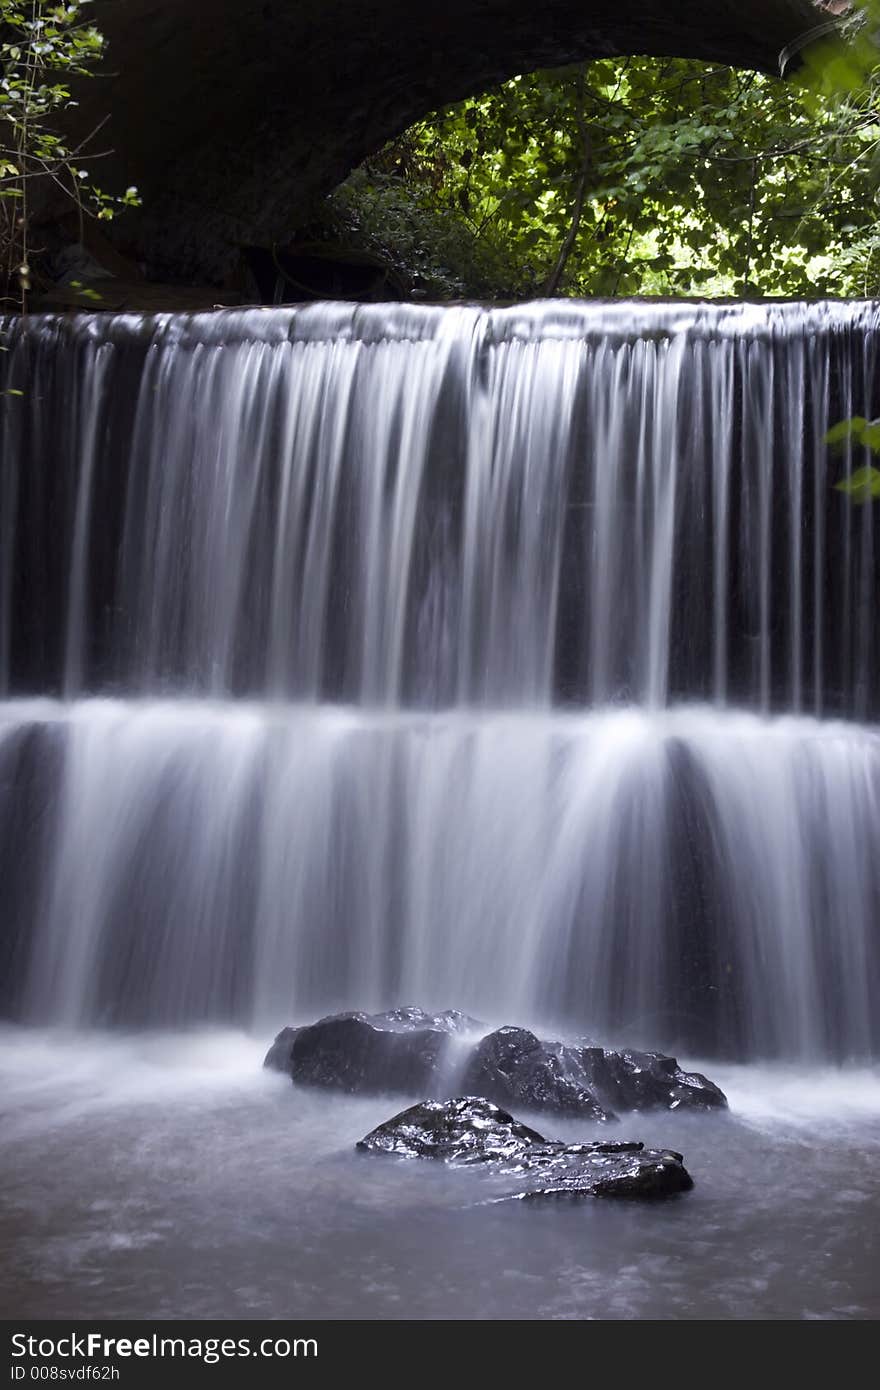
(378, 635)
(448, 507)
(647, 876)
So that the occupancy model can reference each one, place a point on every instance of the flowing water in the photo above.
(639, 876)
(165, 1176)
(522, 661)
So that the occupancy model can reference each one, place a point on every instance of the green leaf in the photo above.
(861, 486)
(846, 430)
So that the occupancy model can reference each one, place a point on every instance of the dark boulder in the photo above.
(470, 1130)
(513, 1067)
(645, 1173)
(466, 1130)
(278, 1057)
(631, 1080)
(405, 1050)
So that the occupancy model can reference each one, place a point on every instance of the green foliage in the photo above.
(856, 431)
(831, 66)
(863, 485)
(43, 47)
(431, 247)
(647, 176)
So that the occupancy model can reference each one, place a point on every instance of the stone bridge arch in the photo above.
(231, 116)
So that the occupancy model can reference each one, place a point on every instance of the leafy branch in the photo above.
(43, 47)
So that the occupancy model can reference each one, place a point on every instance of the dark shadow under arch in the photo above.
(231, 116)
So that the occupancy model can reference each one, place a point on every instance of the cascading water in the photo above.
(521, 661)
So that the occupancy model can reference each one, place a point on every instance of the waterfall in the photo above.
(517, 660)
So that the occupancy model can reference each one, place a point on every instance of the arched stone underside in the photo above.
(232, 116)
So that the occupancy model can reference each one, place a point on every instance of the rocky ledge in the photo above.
(471, 1130)
(408, 1051)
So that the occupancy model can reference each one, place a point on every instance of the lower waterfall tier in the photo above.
(687, 878)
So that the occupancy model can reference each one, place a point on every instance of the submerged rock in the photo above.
(471, 1130)
(407, 1051)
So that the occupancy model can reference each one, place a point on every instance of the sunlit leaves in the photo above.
(701, 181)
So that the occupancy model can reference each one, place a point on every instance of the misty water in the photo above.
(520, 661)
(168, 1177)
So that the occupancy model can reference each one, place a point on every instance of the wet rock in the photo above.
(630, 1080)
(404, 1050)
(410, 1051)
(513, 1067)
(466, 1130)
(471, 1130)
(649, 1173)
(279, 1055)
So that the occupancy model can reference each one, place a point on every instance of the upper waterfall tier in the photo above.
(437, 507)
